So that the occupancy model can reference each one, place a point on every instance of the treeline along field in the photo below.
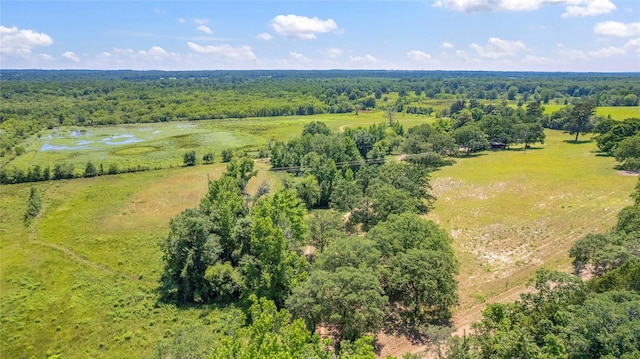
(44, 111)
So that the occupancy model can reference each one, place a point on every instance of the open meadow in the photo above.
(80, 281)
(511, 212)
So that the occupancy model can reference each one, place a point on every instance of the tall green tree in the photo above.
(349, 301)
(189, 249)
(34, 204)
(324, 227)
(579, 120)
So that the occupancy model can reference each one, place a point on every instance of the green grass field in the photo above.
(80, 281)
(616, 112)
(511, 212)
(162, 145)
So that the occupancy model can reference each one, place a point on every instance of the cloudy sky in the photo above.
(522, 35)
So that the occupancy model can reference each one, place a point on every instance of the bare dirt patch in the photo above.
(628, 173)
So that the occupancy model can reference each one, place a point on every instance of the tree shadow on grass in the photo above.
(417, 332)
(432, 333)
(578, 142)
(520, 149)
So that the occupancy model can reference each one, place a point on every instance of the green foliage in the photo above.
(355, 252)
(34, 204)
(189, 249)
(208, 158)
(316, 128)
(323, 228)
(628, 148)
(611, 133)
(189, 158)
(349, 301)
(418, 265)
(308, 190)
(472, 138)
(563, 317)
(90, 170)
(273, 267)
(429, 160)
(271, 334)
(227, 155)
(580, 119)
(241, 170)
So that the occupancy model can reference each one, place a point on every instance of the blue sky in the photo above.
(519, 35)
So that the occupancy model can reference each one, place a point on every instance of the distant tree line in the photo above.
(36, 100)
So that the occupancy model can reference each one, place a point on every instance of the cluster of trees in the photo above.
(236, 246)
(565, 317)
(474, 127)
(332, 171)
(620, 139)
(400, 273)
(37, 173)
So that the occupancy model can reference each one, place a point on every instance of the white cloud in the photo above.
(302, 27)
(200, 21)
(417, 55)
(590, 8)
(366, 61)
(497, 48)
(633, 43)
(17, 42)
(573, 7)
(71, 56)
(45, 57)
(607, 52)
(332, 52)
(264, 36)
(619, 29)
(299, 57)
(447, 45)
(155, 53)
(242, 53)
(204, 29)
(182, 21)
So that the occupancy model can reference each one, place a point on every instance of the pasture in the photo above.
(81, 280)
(511, 212)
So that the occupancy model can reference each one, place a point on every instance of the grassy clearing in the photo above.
(80, 282)
(616, 112)
(619, 112)
(511, 212)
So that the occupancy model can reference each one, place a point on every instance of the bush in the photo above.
(208, 158)
(189, 158)
(227, 155)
